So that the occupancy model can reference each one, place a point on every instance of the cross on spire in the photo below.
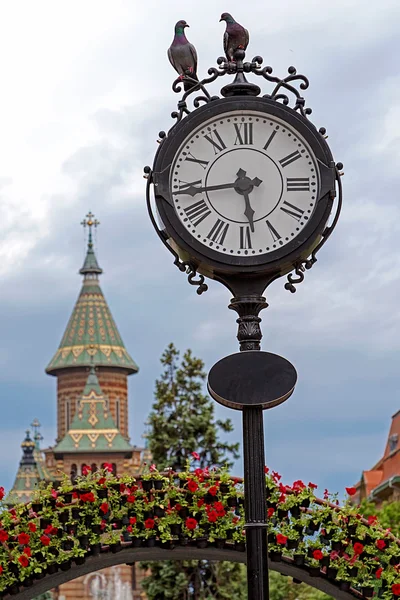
(90, 221)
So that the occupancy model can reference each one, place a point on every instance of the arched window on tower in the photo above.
(114, 469)
(117, 413)
(94, 467)
(67, 414)
(83, 465)
(74, 473)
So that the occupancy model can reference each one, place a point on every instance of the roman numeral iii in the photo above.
(216, 140)
(245, 238)
(218, 232)
(292, 210)
(244, 133)
(290, 158)
(197, 212)
(299, 184)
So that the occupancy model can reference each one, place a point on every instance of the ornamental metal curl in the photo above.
(240, 85)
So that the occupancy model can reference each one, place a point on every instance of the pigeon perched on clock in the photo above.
(235, 36)
(183, 56)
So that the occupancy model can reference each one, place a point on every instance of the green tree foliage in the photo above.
(388, 514)
(182, 417)
(182, 421)
(283, 588)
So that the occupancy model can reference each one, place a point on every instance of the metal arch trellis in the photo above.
(337, 551)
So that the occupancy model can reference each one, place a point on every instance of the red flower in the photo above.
(213, 490)
(266, 469)
(192, 486)
(317, 554)
(200, 503)
(132, 520)
(218, 506)
(89, 497)
(101, 481)
(1, 493)
(23, 560)
(313, 486)
(108, 467)
(372, 520)
(3, 535)
(235, 520)
(271, 511)
(86, 470)
(131, 499)
(191, 523)
(196, 456)
(381, 544)
(281, 539)
(149, 523)
(23, 539)
(104, 508)
(1, 569)
(178, 507)
(54, 494)
(27, 551)
(212, 516)
(75, 495)
(378, 573)
(129, 528)
(45, 540)
(298, 485)
(358, 548)
(396, 589)
(351, 491)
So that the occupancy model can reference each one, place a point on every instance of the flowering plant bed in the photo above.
(65, 524)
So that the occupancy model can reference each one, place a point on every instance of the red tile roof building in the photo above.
(382, 482)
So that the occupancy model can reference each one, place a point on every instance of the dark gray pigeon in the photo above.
(235, 36)
(182, 55)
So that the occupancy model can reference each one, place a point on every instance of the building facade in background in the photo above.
(382, 482)
(92, 367)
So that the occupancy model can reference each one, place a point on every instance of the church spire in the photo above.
(90, 266)
(91, 336)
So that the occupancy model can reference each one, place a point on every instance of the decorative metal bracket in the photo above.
(303, 265)
(283, 90)
(184, 266)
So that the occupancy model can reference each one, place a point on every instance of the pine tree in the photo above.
(182, 421)
(182, 418)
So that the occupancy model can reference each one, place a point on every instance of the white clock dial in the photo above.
(244, 184)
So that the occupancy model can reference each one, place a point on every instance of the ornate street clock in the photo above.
(246, 191)
(244, 186)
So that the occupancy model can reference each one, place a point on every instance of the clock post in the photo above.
(246, 191)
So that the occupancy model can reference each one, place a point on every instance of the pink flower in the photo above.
(196, 456)
(153, 468)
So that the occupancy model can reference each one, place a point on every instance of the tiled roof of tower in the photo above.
(91, 336)
(92, 429)
(31, 470)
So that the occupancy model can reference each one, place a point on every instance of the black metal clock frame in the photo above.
(246, 277)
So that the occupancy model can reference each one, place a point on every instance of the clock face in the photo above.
(244, 183)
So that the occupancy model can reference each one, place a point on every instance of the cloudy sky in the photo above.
(85, 90)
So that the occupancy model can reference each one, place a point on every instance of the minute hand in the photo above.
(193, 190)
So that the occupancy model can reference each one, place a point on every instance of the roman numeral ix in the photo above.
(292, 210)
(218, 232)
(290, 158)
(197, 212)
(244, 133)
(299, 184)
(218, 143)
(184, 185)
